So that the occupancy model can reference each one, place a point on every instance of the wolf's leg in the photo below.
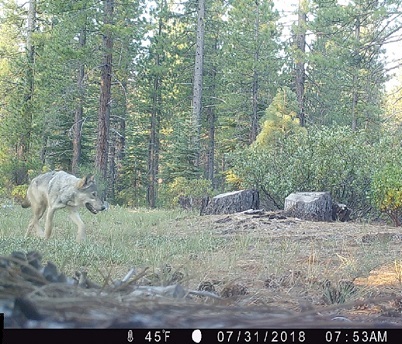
(31, 225)
(75, 217)
(34, 223)
(49, 222)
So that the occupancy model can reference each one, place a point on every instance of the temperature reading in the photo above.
(157, 336)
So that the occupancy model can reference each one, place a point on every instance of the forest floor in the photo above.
(351, 270)
(277, 270)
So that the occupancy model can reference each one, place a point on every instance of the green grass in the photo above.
(297, 259)
(117, 240)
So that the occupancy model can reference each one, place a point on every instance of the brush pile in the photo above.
(36, 295)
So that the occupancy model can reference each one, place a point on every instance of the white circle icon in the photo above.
(196, 336)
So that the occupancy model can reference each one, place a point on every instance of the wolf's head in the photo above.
(88, 194)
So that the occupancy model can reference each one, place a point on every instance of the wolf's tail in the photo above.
(26, 203)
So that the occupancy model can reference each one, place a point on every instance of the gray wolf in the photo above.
(55, 190)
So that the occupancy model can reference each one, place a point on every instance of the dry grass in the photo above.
(350, 270)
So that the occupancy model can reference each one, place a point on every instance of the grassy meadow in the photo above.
(284, 262)
(117, 240)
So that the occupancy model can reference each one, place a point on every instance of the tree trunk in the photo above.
(211, 115)
(355, 79)
(211, 145)
(153, 146)
(119, 140)
(153, 143)
(102, 147)
(30, 51)
(198, 80)
(77, 127)
(254, 117)
(231, 202)
(313, 206)
(22, 148)
(255, 88)
(111, 172)
(299, 64)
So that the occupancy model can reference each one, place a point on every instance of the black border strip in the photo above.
(208, 336)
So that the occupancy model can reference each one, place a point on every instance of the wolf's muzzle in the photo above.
(92, 209)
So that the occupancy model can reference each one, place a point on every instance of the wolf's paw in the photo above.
(40, 233)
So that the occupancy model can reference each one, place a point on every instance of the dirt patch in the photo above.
(352, 270)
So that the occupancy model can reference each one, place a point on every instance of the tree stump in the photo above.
(312, 206)
(230, 202)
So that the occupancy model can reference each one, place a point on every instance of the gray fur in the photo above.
(56, 190)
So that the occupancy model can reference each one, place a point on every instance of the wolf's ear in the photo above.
(90, 178)
(86, 181)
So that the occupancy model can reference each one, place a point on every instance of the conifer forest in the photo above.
(165, 99)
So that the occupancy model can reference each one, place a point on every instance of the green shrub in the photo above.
(386, 191)
(337, 160)
(181, 188)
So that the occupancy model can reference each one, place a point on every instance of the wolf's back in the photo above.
(42, 179)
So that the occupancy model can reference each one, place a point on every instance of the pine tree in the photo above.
(251, 66)
(281, 118)
(102, 142)
(65, 113)
(346, 72)
(300, 73)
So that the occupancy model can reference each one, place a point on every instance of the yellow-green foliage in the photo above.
(233, 179)
(387, 191)
(19, 192)
(280, 118)
(183, 187)
(393, 105)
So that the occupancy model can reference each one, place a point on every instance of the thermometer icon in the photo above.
(130, 337)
